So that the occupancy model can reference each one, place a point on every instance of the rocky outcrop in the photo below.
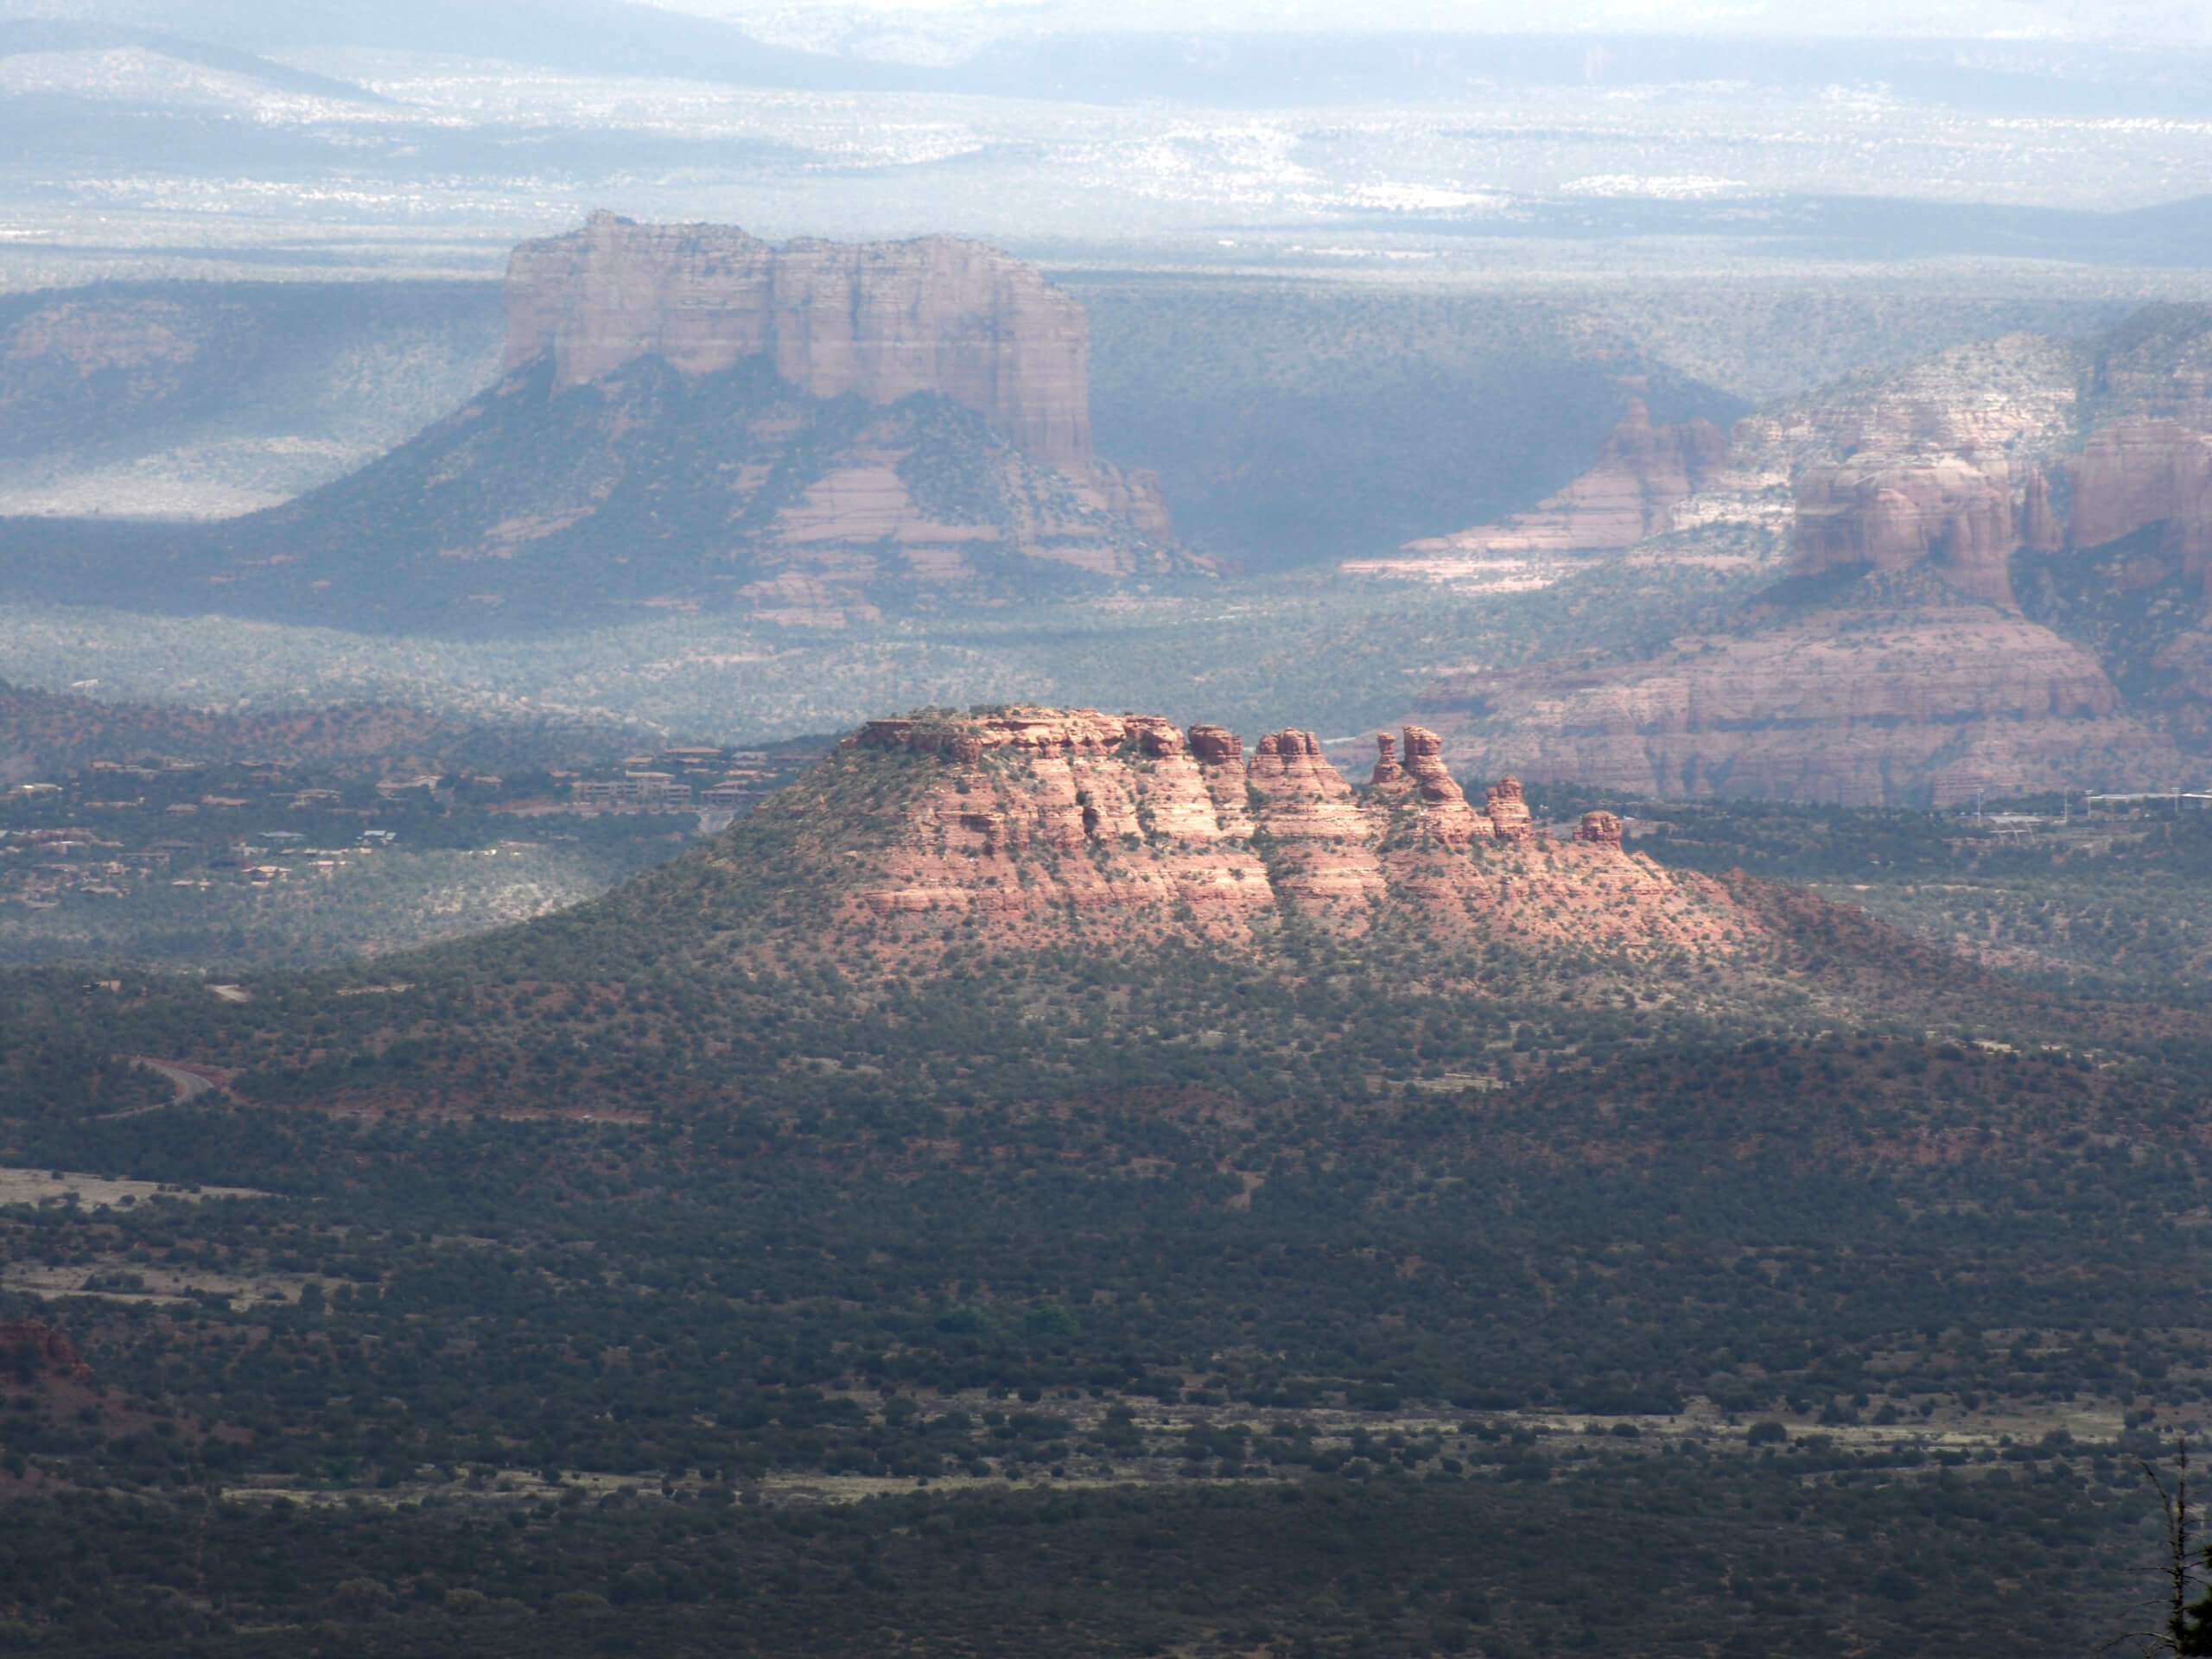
(882, 320)
(1890, 512)
(30, 1345)
(692, 418)
(1919, 705)
(1644, 473)
(1036, 819)
(1424, 786)
(1599, 829)
(2141, 473)
(1508, 812)
(1939, 485)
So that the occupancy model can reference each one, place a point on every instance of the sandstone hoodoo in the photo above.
(692, 417)
(1033, 821)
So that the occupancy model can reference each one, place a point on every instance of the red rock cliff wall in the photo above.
(2140, 473)
(1039, 819)
(1896, 511)
(884, 320)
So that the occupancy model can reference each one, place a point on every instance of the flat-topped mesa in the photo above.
(968, 737)
(883, 319)
(1180, 829)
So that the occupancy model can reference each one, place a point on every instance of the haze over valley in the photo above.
(992, 830)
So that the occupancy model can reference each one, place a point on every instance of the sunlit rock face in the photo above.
(1048, 819)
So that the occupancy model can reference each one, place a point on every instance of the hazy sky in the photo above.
(2107, 20)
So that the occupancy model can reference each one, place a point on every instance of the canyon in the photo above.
(1889, 660)
(1030, 826)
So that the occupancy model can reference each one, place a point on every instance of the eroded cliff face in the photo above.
(1899, 668)
(691, 418)
(1886, 512)
(882, 320)
(1924, 704)
(2135, 474)
(1041, 819)
(1644, 473)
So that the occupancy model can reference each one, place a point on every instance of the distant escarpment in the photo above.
(1019, 826)
(691, 417)
(1975, 596)
(1644, 473)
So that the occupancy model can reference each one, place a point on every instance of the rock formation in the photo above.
(692, 417)
(1423, 785)
(882, 320)
(1507, 811)
(1892, 511)
(1644, 473)
(1599, 830)
(1923, 683)
(2040, 527)
(1036, 818)
(41, 1348)
(1922, 705)
(2141, 473)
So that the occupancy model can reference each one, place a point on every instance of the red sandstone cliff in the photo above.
(1892, 511)
(1928, 684)
(2140, 473)
(1917, 705)
(692, 418)
(1043, 818)
(881, 319)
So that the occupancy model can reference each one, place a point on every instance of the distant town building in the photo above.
(636, 791)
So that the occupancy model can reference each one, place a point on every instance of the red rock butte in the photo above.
(1041, 820)
(883, 319)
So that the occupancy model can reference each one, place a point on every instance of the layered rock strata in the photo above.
(1924, 705)
(882, 320)
(1891, 513)
(1922, 683)
(2136, 474)
(1032, 818)
(1643, 473)
(818, 432)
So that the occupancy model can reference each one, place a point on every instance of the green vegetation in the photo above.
(2066, 895)
(1295, 422)
(1657, 1554)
